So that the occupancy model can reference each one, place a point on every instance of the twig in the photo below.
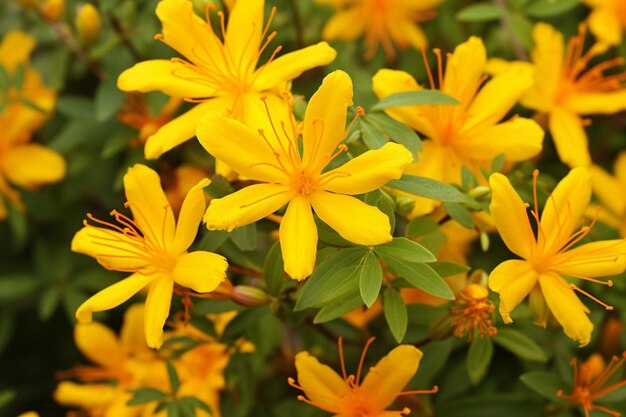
(65, 35)
(297, 22)
(119, 29)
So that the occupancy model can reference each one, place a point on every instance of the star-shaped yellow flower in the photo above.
(550, 256)
(153, 246)
(220, 74)
(607, 20)
(288, 175)
(347, 395)
(469, 133)
(382, 22)
(23, 109)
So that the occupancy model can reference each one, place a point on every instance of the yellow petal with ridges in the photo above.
(596, 259)
(405, 32)
(320, 383)
(464, 70)
(132, 335)
(354, 220)
(390, 375)
(513, 280)
(112, 249)
(243, 34)
(201, 271)
(369, 171)
(246, 206)
(112, 296)
(190, 216)
(547, 55)
(31, 165)
(157, 309)
(99, 344)
(509, 215)
(568, 310)
(597, 103)
(298, 238)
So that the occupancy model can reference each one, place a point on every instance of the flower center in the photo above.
(305, 184)
(472, 310)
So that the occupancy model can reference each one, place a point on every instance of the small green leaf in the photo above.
(340, 306)
(6, 397)
(49, 302)
(245, 237)
(420, 276)
(219, 187)
(146, 395)
(460, 213)
(173, 376)
(479, 358)
(415, 98)
(386, 205)
(550, 8)
(405, 250)
(212, 240)
(395, 313)
(15, 287)
(328, 235)
(544, 384)
(396, 132)
(446, 269)
(520, 345)
(274, 269)
(421, 226)
(480, 12)
(196, 403)
(372, 136)
(426, 187)
(370, 279)
(108, 99)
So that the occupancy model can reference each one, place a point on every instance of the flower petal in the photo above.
(565, 207)
(547, 55)
(325, 119)
(597, 103)
(201, 271)
(298, 238)
(157, 309)
(99, 344)
(292, 65)
(619, 167)
(245, 206)
(321, 384)
(509, 215)
(112, 249)
(608, 189)
(132, 335)
(147, 201)
(240, 147)
(513, 280)
(111, 296)
(87, 396)
(595, 259)
(190, 216)
(243, 34)
(345, 24)
(405, 32)
(569, 137)
(354, 220)
(169, 77)
(464, 70)
(605, 25)
(31, 165)
(391, 374)
(568, 310)
(182, 128)
(369, 171)
(15, 49)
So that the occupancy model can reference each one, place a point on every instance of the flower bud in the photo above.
(52, 10)
(405, 205)
(248, 296)
(88, 24)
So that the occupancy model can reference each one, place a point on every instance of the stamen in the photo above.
(437, 53)
(341, 358)
(427, 68)
(606, 306)
(358, 372)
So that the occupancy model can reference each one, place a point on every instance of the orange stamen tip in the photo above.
(405, 411)
(435, 389)
(342, 148)
(559, 393)
(263, 97)
(291, 381)
(301, 398)
(609, 308)
(360, 111)
(536, 173)
(158, 37)
(609, 283)
(624, 354)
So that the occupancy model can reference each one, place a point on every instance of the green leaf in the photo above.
(196, 403)
(550, 8)
(328, 235)
(274, 269)
(370, 279)
(6, 397)
(329, 275)
(405, 250)
(420, 226)
(15, 287)
(395, 313)
(172, 410)
(219, 187)
(49, 302)
(520, 345)
(7, 323)
(146, 395)
(396, 131)
(426, 187)
(340, 306)
(420, 276)
(372, 136)
(446, 269)
(543, 383)
(108, 99)
(245, 237)
(460, 213)
(213, 239)
(76, 107)
(415, 98)
(480, 12)
(173, 376)
(386, 205)
(479, 358)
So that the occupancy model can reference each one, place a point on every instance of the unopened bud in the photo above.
(405, 205)
(52, 10)
(248, 296)
(480, 191)
(88, 24)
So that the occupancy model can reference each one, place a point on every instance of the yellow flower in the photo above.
(154, 247)
(24, 106)
(610, 191)
(124, 360)
(469, 133)
(288, 176)
(565, 89)
(472, 312)
(220, 75)
(607, 20)
(382, 22)
(548, 257)
(88, 24)
(347, 395)
(179, 181)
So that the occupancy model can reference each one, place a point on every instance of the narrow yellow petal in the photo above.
(245, 206)
(99, 344)
(405, 32)
(32, 165)
(606, 26)
(243, 34)
(190, 216)
(87, 396)
(509, 215)
(112, 296)
(298, 238)
(345, 25)
(15, 49)
(240, 147)
(201, 271)
(513, 280)
(132, 335)
(569, 137)
(157, 309)
(597, 103)
(112, 249)
(370, 170)
(595, 259)
(568, 310)
(608, 189)
(320, 383)
(390, 375)
(619, 168)
(464, 70)
(325, 119)
(354, 220)
(547, 55)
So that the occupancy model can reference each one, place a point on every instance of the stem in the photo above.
(119, 29)
(64, 34)
(297, 23)
(505, 21)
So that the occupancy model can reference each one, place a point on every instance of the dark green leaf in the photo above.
(212, 240)
(244, 237)
(550, 8)
(479, 357)
(173, 376)
(405, 250)
(196, 403)
(543, 383)
(6, 397)
(446, 269)
(76, 107)
(520, 345)
(420, 226)
(340, 306)
(219, 187)
(328, 235)
(395, 313)
(420, 276)
(372, 136)
(460, 214)
(415, 98)
(146, 395)
(49, 302)
(15, 287)
(370, 279)
(108, 99)
(396, 132)
(274, 269)
(385, 205)
(480, 12)
(426, 187)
